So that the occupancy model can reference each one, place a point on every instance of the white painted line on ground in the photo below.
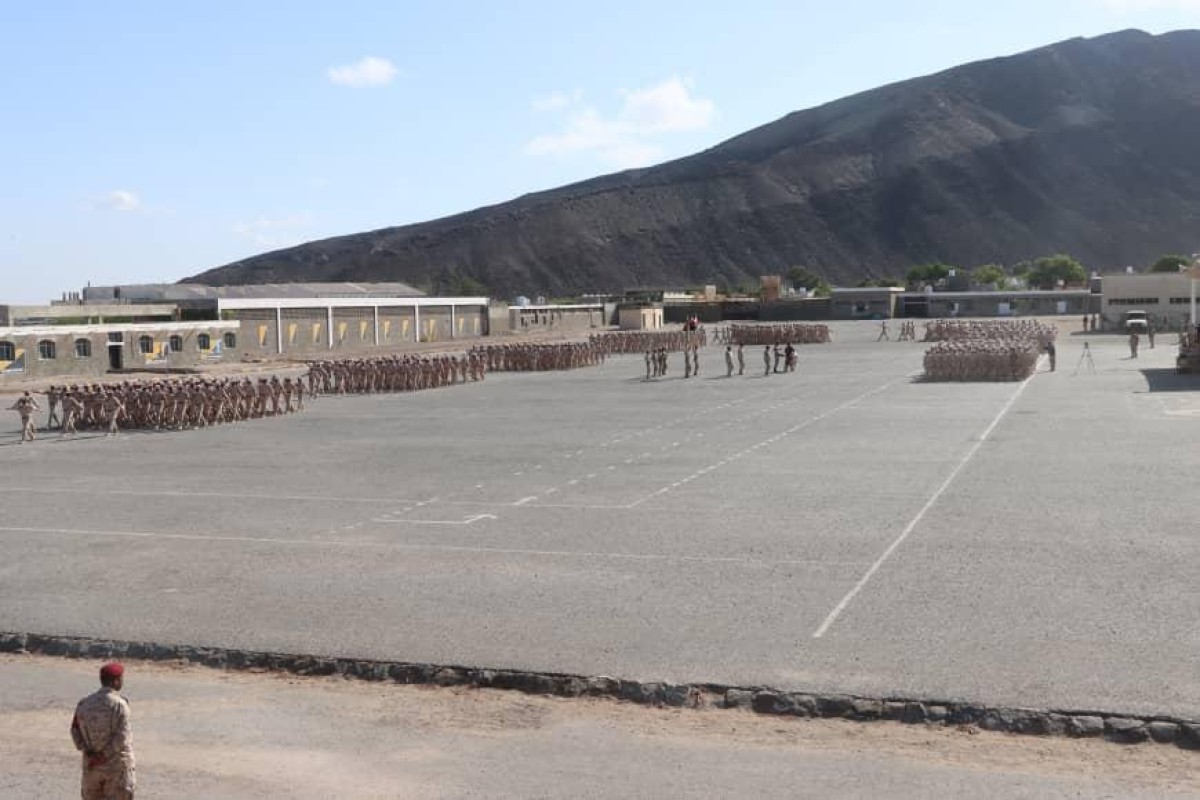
(151, 493)
(805, 424)
(908, 529)
(466, 521)
(525, 500)
(434, 547)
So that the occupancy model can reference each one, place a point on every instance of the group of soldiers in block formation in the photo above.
(778, 334)
(991, 350)
(618, 342)
(539, 357)
(408, 373)
(160, 405)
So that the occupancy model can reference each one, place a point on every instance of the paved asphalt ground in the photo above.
(846, 528)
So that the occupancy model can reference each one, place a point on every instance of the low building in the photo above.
(869, 302)
(1024, 303)
(1166, 297)
(640, 317)
(34, 351)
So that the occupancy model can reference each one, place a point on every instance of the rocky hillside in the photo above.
(1088, 146)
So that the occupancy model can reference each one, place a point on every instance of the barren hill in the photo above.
(1087, 146)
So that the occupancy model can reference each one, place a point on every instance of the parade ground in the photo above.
(846, 528)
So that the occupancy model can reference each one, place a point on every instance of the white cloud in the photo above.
(625, 139)
(666, 107)
(370, 71)
(120, 200)
(275, 232)
(556, 101)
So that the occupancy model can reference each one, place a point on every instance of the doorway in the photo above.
(116, 359)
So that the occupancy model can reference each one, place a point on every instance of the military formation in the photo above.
(169, 404)
(992, 350)
(538, 357)
(618, 342)
(408, 373)
(779, 333)
(947, 330)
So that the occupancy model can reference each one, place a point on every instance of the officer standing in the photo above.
(101, 731)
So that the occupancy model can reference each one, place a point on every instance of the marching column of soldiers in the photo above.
(617, 342)
(539, 357)
(169, 405)
(789, 333)
(407, 373)
(987, 350)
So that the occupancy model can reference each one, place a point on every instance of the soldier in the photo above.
(766, 360)
(695, 359)
(113, 409)
(789, 358)
(883, 332)
(728, 361)
(649, 364)
(53, 393)
(1052, 354)
(1134, 341)
(741, 355)
(1150, 334)
(25, 407)
(102, 732)
(72, 408)
(778, 357)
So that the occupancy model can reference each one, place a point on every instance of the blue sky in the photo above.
(147, 141)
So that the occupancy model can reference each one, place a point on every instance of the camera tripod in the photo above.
(1086, 355)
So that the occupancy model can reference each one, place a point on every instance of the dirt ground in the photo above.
(205, 733)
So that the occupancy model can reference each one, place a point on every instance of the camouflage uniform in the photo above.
(101, 731)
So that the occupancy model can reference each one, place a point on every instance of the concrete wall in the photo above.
(80, 314)
(581, 317)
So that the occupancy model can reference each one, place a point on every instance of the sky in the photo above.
(149, 141)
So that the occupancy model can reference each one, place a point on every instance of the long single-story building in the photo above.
(95, 350)
(1023, 303)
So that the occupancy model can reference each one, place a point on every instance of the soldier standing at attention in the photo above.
(741, 359)
(25, 406)
(766, 360)
(101, 731)
(728, 361)
(1133, 345)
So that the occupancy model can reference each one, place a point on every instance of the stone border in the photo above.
(1123, 729)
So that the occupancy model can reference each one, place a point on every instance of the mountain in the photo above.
(1088, 146)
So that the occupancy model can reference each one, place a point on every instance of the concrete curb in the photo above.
(1122, 729)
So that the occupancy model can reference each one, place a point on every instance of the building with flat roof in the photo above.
(1166, 297)
(44, 351)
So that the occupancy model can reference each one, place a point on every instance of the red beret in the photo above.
(112, 671)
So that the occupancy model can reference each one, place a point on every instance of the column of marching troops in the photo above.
(168, 404)
(779, 333)
(408, 373)
(539, 357)
(986, 350)
(620, 342)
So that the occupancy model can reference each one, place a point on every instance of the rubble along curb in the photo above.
(1119, 728)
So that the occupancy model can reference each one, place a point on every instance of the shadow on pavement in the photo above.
(1167, 380)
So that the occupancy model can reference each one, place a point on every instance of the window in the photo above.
(8, 351)
(204, 342)
(176, 344)
(230, 340)
(146, 344)
(116, 338)
(1180, 301)
(83, 348)
(47, 350)
(1133, 301)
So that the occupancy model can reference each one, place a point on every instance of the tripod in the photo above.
(1086, 355)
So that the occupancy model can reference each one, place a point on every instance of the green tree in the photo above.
(1170, 263)
(989, 274)
(1048, 271)
(1022, 268)
(928, 273)
(803, 277)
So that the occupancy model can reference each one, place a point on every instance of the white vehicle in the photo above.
(1136, 322)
